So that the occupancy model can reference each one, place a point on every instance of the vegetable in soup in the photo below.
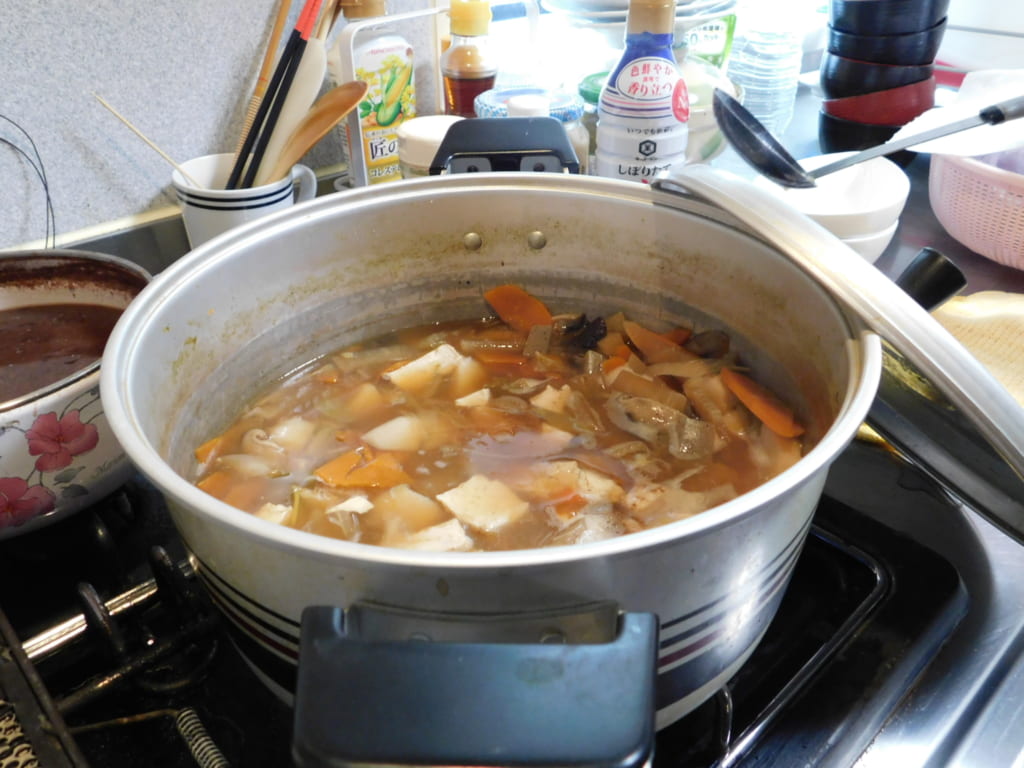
(516, 431)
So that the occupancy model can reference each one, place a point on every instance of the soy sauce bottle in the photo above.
(468, 65)
(644, 108)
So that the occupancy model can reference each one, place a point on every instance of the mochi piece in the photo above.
(555, 478)
(422, 373)
(275, 513)
(402, 433)
(551, 399)
(365, 401)
(484, 504)
(590, 527)
(358, 505)
(468, 376)
(473, 399)
(660, 503)
(408, 510)
(449, 536)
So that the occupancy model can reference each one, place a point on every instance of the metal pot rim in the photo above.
(863, 349)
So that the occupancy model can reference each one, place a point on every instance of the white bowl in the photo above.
(861, 200)
(872, 246)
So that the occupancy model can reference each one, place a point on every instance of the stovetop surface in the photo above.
(867, 610)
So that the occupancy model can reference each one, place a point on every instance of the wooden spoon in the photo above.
(326, 113)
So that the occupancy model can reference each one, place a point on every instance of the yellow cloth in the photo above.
(991, 325)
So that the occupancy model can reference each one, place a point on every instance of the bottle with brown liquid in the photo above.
(468, 65)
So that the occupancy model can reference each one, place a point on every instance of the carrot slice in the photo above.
(216, 484)
(222, 443)
(205, 451)
(611, 363)
(654, 347)
(499, 356)
(517, 308)
(363, 469)
(774, 414)
(336, 470)
(241, 493)
(385, 471)
(567, 508)
(678, 335)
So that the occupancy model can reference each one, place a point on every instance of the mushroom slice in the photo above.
(656, 423)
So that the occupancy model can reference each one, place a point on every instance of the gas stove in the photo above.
(893, 644)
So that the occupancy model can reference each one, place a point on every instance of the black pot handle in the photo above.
(923, 425)
(364, 700)
(931, 279)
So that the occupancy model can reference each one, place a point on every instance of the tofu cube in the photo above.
(423, 373)
(446, 537)
(402, 433)
(551, 399)
(484, 504)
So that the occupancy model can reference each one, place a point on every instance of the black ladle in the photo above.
(755, 143)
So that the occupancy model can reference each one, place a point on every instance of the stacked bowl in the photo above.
(877, 72)
(861, 204)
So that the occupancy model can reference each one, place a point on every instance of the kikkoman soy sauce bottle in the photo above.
(644, 108)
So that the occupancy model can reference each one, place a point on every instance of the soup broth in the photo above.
(44, 344)
(517, 431)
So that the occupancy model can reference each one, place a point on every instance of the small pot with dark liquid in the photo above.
(57, 455)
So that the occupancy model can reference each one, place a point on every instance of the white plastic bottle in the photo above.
(644, 108)
(385, 61)
(767, 51)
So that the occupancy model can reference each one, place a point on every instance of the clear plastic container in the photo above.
(765, 60)
(418, 141)
(526, 102)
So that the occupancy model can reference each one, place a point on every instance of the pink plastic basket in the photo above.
(980, 205)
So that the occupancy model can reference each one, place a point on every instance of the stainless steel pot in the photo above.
(223, 322)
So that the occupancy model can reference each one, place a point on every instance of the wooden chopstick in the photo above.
(255, 143)
(263, 79)
(185, 174)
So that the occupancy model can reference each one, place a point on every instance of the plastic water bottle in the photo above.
(767, 51)
(644, 108)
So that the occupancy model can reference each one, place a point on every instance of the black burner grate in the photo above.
(856, 625)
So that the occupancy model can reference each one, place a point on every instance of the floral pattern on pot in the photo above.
(61, 442)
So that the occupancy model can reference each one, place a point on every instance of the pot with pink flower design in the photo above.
(57, 454)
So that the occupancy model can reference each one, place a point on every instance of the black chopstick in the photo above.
(258, 137)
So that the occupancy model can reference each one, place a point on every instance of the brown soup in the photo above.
(514, 432)
(43, 344)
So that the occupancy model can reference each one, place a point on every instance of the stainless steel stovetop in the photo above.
(900, 641)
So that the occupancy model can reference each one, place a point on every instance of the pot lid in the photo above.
(960, 424)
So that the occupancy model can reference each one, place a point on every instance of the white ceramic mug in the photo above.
(208, 209)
